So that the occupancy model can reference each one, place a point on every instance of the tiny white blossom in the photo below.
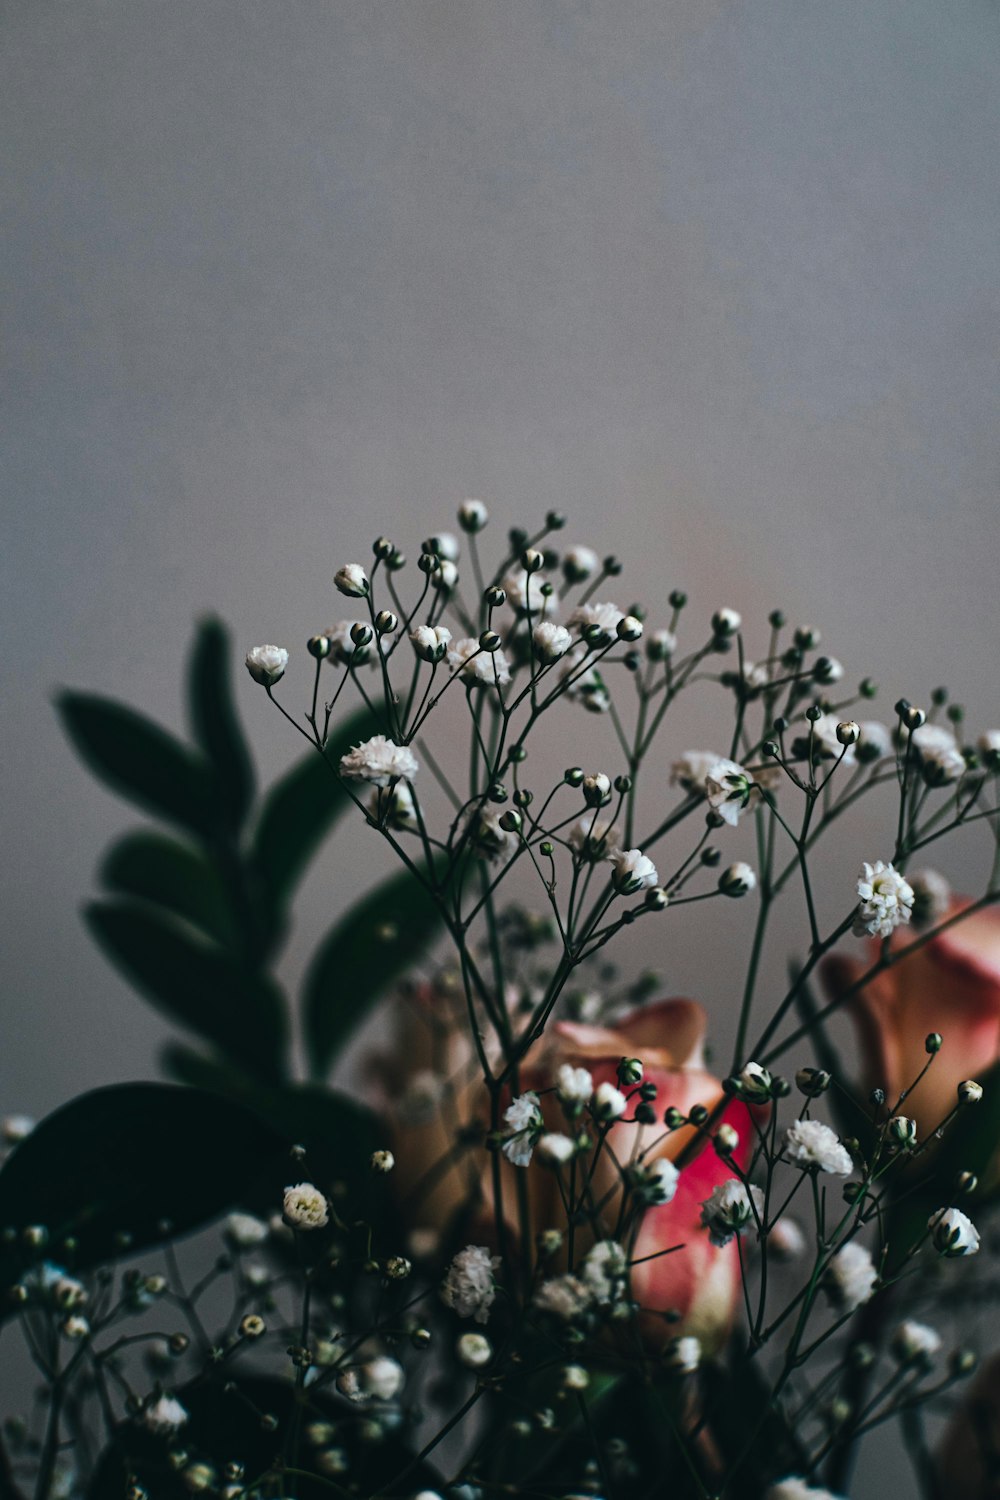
(382, 1161)
(523, 1119)
(690, 771)
(605, 1272)
(660, 644)
(76, 1327)
(656, 1183)
(931, 897)
(886, 900)
(683, 1355)
(729, 1210)
(489, 667)
(953, 1233)
(565, 1297)
(810, 1143)
(430, 642)
(245, 1230)
(915, 1341)
(68, 1293)
(988, 745)
(474, 1350)
(874, 742)
(786, 1239)
(755, 1083)
(574, 1085)
(632, 871)
(469, 1288)
(445, 575)
(381, 1378)
(556, 1148)
(165, 1416)
(379, 761)
(446, 545)
(524, 592)
(605, 616)
(16, 1128)
(305, 1206)
(609, 1103)
(575, 1378)
(551, 641)
(266, 664)
(580, 563)
(728, 787)
(850, 1277)
(352, 580)
(472, 515)
(343, 651)
(394, 807)
(738, 879)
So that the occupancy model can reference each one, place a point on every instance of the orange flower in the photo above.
(950, 985)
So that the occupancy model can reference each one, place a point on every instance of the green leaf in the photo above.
(140, 761)
(214, 721)
(375, 941)
(173, 875)
(127, 1159)
(195, 982)
(300, 810)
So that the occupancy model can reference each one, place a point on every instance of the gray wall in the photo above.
(717, 279)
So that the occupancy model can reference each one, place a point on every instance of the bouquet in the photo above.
(534, 1238)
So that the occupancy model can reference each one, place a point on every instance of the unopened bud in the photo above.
(848, 732)
(319, 646)
(629, 628)
(970, 1092)
(812, 1082)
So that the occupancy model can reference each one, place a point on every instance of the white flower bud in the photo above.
(579, 564)
(903, 1132)
(609, 1103)
(953, 1233)
(76, 1327)
(165, 1416)
(914, 1343)
(660, 645)
(474, 1350)
(755, 1083)
(726, 621)
(430, 642)
(970, 1092)
(574, 1086)
(631, 871)
(555, 1149)
(352, 580)
(683, 1355)
(472, 515)
(629, 628)
(726, 1140)
(266, 664)
(737, 880)
(382, 1161)
(551, 641)
(597, 789)
(848, 732)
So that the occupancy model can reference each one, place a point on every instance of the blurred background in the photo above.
(717, 280)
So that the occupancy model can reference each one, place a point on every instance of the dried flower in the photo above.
(632, 871)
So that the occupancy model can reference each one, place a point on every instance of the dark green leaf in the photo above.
(125, 1159)
(195, 982)
(214, 722)
(140, 761)
(300, 810)
(170, 874)
(375, 941)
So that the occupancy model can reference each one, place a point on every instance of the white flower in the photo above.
(490, 667)
(605, 1272)
(660, 644)
(469, 1288)
(565, 1297)
(382, 1161)
(430, 642)
(474, 1350)
(575, 1378)
(586, 687)
(445, 575)
(523, 1119)
(657, 1182)
(352, 580)
(165, 1416)
(786, 1239)
(825, 744)
(445, 544)
(304, 1206)
(68, 1293)
(16, 1128)
(931, 897)
(755, 1083)
(266, 664)
(551, 641)
(382, 1377)
(691, 770)
(988, 745)
(524, 592)
(574, 1085)
(556, 1148)
(379, 761)
(631, 871)
(797, 1489)
(486, 834)
(342, 647)
(580, 563)
(886, 900)
(394, 807)
(728, 787)
(609, 1103)
(730, 1210)
(810, 1143)
(245, 1230)
(874, 742)
(76, 1327)
(915, 1341)
(930, 739)
(850, 1277)
(683, 1355)
(738, 879)
(954, 1233)
(605, 616)
(472, 515)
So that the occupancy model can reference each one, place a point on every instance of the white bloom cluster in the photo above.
(266, 664)
(886, 900)
(565, 1297)
(731, 1209)
(488, 668)
(811, 1144)
(379, 761)
(574, 1086)
(953, 1233)
(850, 1277)
(587, 687)
(605, 616)
(609, 1103)
(550, 641)
(523, 1119)
(656, 1183)
(555, 1149)
(305, 1206)
(605, 1272)
(728, 788)
(469, 1288)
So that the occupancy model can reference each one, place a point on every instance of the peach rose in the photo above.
(950, 985)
